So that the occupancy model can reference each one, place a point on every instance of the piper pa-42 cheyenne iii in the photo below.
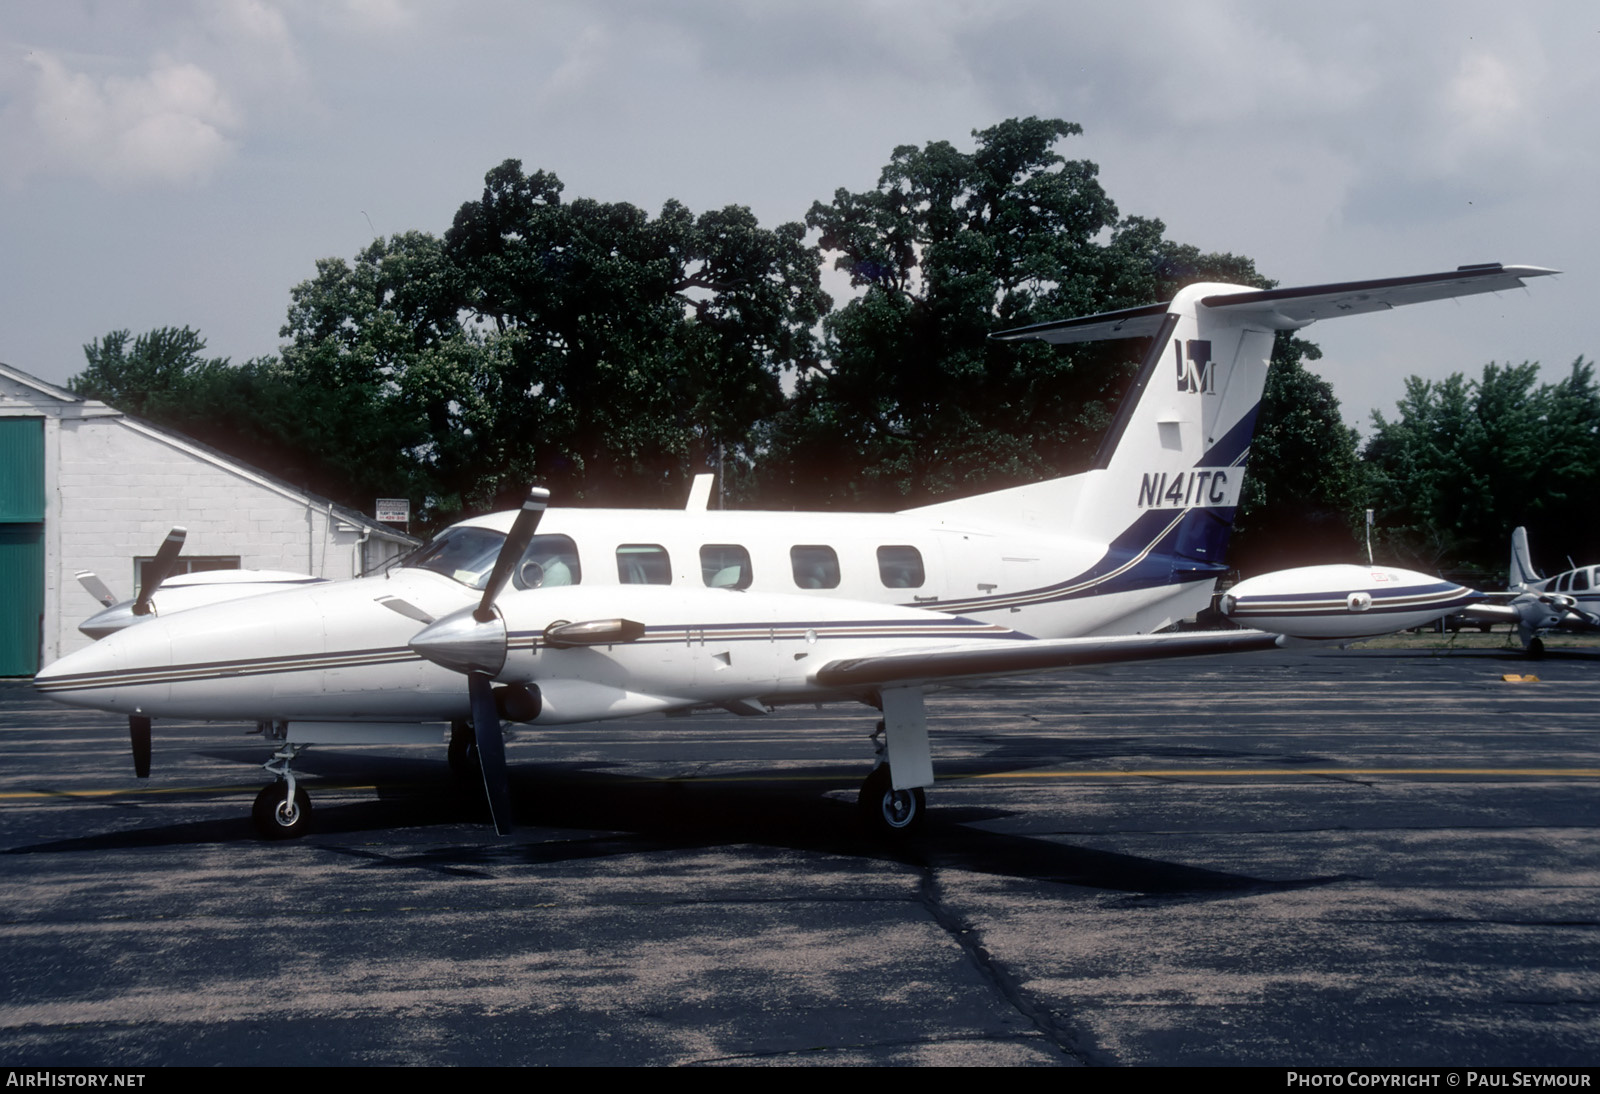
(600, 614)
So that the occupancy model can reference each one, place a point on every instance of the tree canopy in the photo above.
(1465, 461)
(910, 399)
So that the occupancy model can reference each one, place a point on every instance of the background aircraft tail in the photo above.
(1521, 573)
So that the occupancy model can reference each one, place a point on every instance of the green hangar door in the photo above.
(21, 544)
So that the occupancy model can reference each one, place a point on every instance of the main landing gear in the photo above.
(885, 811)
(282, 809)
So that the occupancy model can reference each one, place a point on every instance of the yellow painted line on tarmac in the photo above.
(25, 795)
(1149, 773)
(1236, 773)
(1176, 773)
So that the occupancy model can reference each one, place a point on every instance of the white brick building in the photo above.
(85, 487)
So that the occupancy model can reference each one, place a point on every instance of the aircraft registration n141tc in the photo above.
(600, 614)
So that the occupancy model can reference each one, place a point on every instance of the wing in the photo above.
(1010, 658)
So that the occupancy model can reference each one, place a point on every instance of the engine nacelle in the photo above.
(1343, 603)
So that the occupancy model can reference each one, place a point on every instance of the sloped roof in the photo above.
(50, 393)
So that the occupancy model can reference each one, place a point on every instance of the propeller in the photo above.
(139, 734)
(96, 588)
(475, 643)
(159, 568)
(522, 530)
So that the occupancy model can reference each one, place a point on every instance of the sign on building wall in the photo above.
(393, 510)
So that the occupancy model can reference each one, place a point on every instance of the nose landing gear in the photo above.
(283, 809)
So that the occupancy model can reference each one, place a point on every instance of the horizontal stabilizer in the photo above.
(1289, 309)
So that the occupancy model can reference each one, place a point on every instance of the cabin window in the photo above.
(1564, 582)
(1580, 581)
(725, 566)
(549, 561)
(815, 567)
(901, 568)
(643, 564)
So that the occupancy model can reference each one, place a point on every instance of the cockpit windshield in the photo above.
(467, 555)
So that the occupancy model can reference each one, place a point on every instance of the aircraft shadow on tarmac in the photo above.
(568, 813)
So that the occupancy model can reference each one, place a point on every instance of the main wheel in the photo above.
(277, 816)
(1536, 647)
(887, 811)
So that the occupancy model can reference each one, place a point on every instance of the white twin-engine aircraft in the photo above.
(599, 614)
(1535, 604)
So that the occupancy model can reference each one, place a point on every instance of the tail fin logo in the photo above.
(1196, 374)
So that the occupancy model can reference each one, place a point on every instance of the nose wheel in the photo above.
(283, 808)
(282, 813)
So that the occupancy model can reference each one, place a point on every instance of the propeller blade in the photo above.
(491, 750)
(96, 588)
(139, 734)
(159, 568)
(522, 530)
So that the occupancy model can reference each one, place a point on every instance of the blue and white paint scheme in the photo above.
(1342, 603)
(611, 613)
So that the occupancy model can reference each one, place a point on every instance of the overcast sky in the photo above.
(170, 163)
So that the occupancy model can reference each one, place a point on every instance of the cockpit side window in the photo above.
(467, 555)
(1580, 581)
(901, 568)
(549, 561)
(464, 554)
(725, 566)
(816, 566)
(643, 564)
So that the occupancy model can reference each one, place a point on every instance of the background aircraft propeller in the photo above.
(96, 588)
(155, 572)
(159, 569)
(139, 735)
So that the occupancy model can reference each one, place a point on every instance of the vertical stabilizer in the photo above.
(1521, 573)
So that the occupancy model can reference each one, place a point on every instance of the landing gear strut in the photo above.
(283, 809)
(884, 810)
(463, 754)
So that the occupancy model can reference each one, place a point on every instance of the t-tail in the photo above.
(1161, 497)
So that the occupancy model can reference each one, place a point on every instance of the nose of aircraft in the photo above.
(122, 672)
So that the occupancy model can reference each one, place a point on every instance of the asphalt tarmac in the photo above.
(1350, 858)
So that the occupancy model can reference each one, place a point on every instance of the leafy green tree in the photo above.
(912, 400)
(634, 349)
(1303, 492)
(154, 376)
(1465, 461)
